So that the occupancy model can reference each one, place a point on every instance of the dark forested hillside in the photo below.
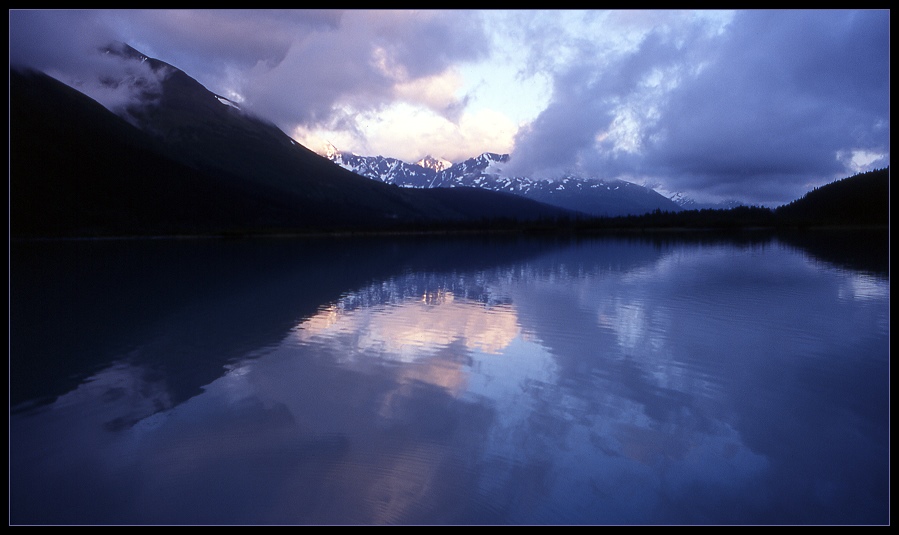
(862, 199)
(857, 201)
(78, 170)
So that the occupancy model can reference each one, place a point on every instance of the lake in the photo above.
(646, 379)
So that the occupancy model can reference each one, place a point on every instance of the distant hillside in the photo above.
(862, 199)
(858, 201)
(78, 170)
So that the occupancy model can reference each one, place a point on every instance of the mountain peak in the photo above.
(118, 48)
(436, 164)
(330, 151)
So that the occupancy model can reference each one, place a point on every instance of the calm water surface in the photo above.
(451, 381)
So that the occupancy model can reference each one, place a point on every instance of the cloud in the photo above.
(291, 66)
(73, 48)
(437, 92)
(366, 61)
(777, 102)
(784, 94)
(56, 40)
(755, 105)
(409, 133)
(602, 98)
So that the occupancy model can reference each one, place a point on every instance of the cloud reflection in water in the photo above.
(608, 382)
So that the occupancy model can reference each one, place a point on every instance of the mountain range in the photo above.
(594, 197)
(181, 160)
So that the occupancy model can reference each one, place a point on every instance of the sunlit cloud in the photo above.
(438, 92)
(418, 130)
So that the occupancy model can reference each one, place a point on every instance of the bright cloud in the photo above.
(410, 132)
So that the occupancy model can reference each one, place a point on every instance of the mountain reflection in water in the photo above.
(462, 381)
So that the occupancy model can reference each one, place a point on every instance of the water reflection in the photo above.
(414, 328)
(600, 381)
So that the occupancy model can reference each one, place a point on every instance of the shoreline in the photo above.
(524, 230)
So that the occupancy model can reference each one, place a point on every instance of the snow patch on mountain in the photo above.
(689, 203)
(227, 102)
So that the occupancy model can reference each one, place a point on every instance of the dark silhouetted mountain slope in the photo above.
(76, 169)
(188, 161)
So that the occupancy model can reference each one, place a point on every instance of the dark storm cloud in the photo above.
(68, 45)
(64, 43)
(37, 39)
(786, 92)
(587, 98)
(290, 66)
(202, 43)
(760, 112)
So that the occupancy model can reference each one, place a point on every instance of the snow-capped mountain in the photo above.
(590, 196)
(437, 164)
(386, 170)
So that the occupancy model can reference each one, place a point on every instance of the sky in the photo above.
(758, 105)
